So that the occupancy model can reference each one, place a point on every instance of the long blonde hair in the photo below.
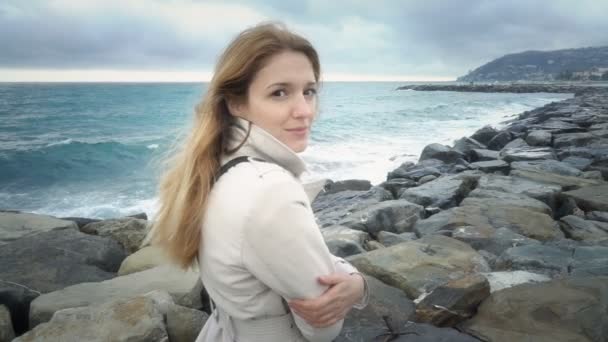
(184, 188)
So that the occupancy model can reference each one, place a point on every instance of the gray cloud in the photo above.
(430, 38)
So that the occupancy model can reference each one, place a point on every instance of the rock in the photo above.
(517, 143)
(526, 222)
(184, 324)
(601, 216)
(465, 145)
(373, 245)
(441, 152)
(597, 175)
(417, 171)
(492, 166)
(80, 221)
(50, 261)
(495, 241)
(135, 319)
(575, 139)
(544, 259)
(421, 265)
(483, 155)
(499, 141)
(539, 138)
(572, 309)
(129, 232)
(330, 209)
(542, 192)
(453, 302)
(343, 241)
(569, 207)
(590, 198)
(141, 216)
(444, 192)
(579, 229)
(395, 185)
(397, 216)
(506, 279)
(556, 126)
(6, 325)
(484, 198)
(384, 301)
(484, 134)
(578, 162)
(565, 182)
(390, 239)
(590, 261)
(526, 153)
(145, 258)
(426, 179)
(350, 184)
(14, 226)
(178, 283)
(547, 166)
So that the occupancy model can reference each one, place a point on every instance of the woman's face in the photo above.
(282, 99)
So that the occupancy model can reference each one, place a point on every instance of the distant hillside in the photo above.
(571, 64)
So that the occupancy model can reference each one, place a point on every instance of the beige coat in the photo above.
(261, 246)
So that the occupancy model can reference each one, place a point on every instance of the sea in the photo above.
(95, 149)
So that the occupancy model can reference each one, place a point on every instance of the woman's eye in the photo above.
(279, 93)
(310, 92)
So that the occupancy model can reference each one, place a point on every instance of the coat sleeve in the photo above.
(283, 248)
(343, 266)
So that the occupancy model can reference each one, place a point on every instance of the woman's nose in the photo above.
(303, 106)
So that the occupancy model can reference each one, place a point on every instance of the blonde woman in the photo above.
(232, 202)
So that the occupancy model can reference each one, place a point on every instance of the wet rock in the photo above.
(444, 192)
(441, 152)
(330, 209)
(483, 155)
(499, 141)
(592, 198)
(527, 153)
(389, 239)
(578, 162)
(396, 185)
(14, 226)
(343, 241)
(465, 145)
(350, 184)
(495, 241)
(543, 192)
(484, 134)
(539, 138)
(547, 166)
(544, 259)
(129, 232)
(505, 279)
(565, 182)
(492, 166)
(397, 216)
(577, 228)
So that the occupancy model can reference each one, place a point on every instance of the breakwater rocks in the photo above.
(507, 88)
(501, 237)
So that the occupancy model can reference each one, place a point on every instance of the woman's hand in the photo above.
(344, 291)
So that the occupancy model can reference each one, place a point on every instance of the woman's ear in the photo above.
(236, 108)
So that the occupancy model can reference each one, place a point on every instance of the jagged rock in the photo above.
(426, 167)
(499, 141)
(597, 175)
(397, 216)
(484, 155)
(527, 153)
(590, 198)
(426, 179)
(453, 302)
(569, 207)
(482, 198)
(444, 192)
(547, 166)
(132, 320)
(539, 138)
(495, 241)
(492, 166)
(484, 134)
(6, 325)
(178, 283)
(441, 152)
(421, 265)
(578, 162)
(465, 145)
(557, 126)
(330, 209)
(589, 261)
(373, 245)
(544, 259)
(505, 279)
(577, 228)
(601, 216)
(542, 192)
(395, 185)
(565, 182)
(14, 226)
(129, 232)
(390, 239)
(350, 184)
(572, 309)
(517, 143)
(184, 324)
(577, 139)
(343, 241)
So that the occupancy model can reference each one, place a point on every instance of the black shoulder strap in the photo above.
(234, 162)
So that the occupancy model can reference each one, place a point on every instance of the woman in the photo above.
(261, 255)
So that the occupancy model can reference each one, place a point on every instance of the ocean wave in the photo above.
(71, 161)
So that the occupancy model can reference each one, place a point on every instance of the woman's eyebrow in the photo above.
(287, 84)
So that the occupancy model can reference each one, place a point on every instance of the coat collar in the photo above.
(261, 144)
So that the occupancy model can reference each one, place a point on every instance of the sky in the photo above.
(357, 40)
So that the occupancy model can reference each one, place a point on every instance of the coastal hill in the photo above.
(590, 63)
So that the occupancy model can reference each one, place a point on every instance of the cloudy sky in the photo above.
(179, 40)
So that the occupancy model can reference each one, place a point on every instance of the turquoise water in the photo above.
(88, 149)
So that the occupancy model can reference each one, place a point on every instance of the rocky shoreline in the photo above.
(508, 88)
(501, 237)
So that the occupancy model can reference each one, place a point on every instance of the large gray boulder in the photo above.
(443, 192)
(546, 193)
(495, 241)
(441, 152)
(547, 166)
(565, 182)
(397, 216)
(343, 241)
(565, 310)
(178, 283)
(6, 325)
(129, 232)
(482, 198)
(420, 266)
(505, 279)
(590, 198)
(543, 259)
(527, 154)
(578, 228)
(330, 209)
(17, 225)
(539, 138)
(129, 320)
